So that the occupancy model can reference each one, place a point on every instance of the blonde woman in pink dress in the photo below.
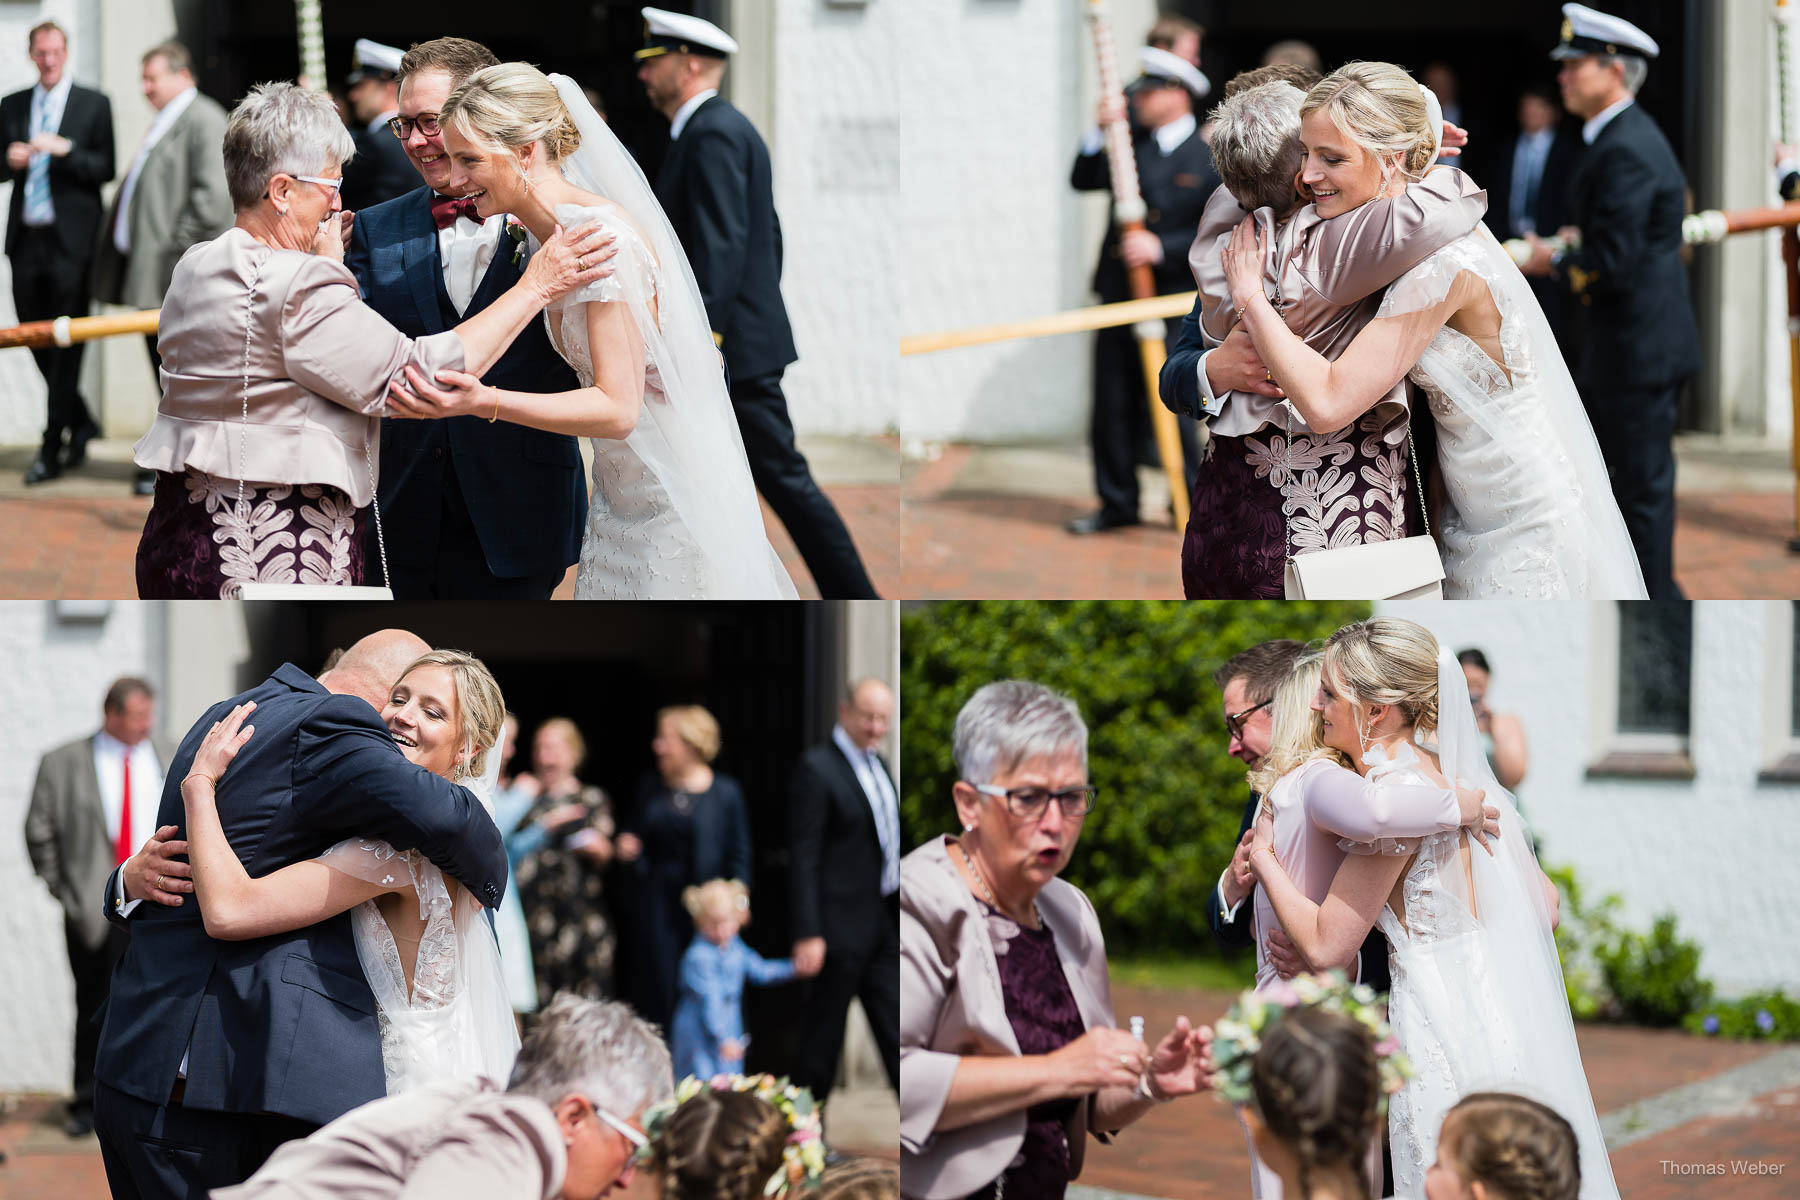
(1322, 812)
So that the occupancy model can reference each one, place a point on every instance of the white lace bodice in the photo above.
(428, 1031)
(1513, 523)
(1440, 1006)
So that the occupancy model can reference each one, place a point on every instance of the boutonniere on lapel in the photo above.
(516, 232)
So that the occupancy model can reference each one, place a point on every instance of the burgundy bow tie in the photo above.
(445, 210)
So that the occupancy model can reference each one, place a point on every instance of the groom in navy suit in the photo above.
(477, 509)
(214, 1052)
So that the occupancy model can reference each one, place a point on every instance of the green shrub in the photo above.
(1171, 798)
(1761, 1015)
(1656, 977)
(1585, 927)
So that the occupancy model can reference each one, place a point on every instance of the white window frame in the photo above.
(1780, 744)
(1612, 751)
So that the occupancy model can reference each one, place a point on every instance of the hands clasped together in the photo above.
(568, 261)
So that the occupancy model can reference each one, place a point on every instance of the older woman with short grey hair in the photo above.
(574, 1112)
(1008, 1057)
(1256, 146)
(275, 373)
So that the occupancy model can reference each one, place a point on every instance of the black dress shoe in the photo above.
(78, 444)
(43, 468)
(79, 1125)
(144, 483)
(1099, 522)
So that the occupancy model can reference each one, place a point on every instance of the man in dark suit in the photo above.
(717, 187)
(59, 150)
(1247, 684)
(213, 1052)
(1627, 198)
(174, 195)
(479, 509)
(1175, 178)
(1528, 190)
(381, 170)
(844, 885)
(93, 804)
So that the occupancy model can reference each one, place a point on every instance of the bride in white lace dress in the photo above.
(426, 949)
(1527, 508)
(673, 513)
(1478, 1002)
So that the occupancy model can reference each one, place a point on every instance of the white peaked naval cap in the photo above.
(1588, 31)
(1160, 64)
(678, 33)
(372, 58)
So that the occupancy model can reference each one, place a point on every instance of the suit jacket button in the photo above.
(1154, 214)
(437, 452)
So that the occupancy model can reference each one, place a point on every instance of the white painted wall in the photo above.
(834, 133)
(57, 675)
(998, 95)
(1718, 850)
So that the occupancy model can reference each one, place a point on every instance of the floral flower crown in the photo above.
(802, 1159)
(1239, 1034)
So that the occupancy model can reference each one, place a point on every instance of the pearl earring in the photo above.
(968, 829)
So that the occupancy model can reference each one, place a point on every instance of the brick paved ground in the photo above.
(987, 522)
(77, 537)
(1194, 1150)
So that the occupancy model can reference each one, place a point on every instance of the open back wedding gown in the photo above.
(455, 1020)
(1529, 507)
(1478, 1002)
(673, 513)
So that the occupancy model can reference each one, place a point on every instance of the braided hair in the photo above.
(719, 1145)
(1315, 1085)
(1518, 1148)
(861, 1179)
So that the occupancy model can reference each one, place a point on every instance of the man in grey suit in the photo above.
(93, 804)
(173, 196)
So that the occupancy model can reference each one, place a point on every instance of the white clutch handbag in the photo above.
(304, 591)
(1402, 569)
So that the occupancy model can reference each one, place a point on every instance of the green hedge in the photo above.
(1171, 797)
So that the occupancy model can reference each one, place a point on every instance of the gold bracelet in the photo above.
(212, 781)
(496, 415)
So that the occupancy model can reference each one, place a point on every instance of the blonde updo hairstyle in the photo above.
(1380, 108)
(510, 106)
(481, 709)
(1386, 660)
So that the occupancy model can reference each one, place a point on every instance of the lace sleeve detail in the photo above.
(631, 265)
(1428, 284)
(380, 863)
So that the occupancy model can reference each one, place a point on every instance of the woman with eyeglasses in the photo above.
(1008, 1054)
(275, 373)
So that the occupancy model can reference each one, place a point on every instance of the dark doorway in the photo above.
(591, 41)
(759, 668)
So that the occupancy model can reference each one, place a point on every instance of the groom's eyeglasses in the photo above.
(1234, 722)
(1029, 803)
(403, 126)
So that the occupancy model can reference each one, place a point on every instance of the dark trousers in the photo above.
(785, 481)
(47, 284)
(869, 972)
(93, 970)
(1120, 430)
(169, 1152)
(458, 570)
(1634, 427)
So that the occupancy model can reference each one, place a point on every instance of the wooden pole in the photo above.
(39, 335)
(1080, 320)
(1128, 217)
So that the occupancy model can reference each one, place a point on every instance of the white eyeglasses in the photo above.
(631, 1135)
(333, 184)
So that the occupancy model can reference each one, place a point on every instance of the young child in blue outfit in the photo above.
(706, 1035)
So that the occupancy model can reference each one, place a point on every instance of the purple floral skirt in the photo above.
(199, 545)
(1259, 494)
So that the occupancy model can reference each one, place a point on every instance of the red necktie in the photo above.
(445, 210)
(122, 851)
